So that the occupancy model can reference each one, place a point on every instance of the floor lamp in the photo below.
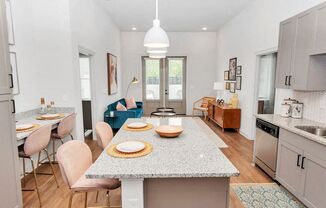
(133, 81)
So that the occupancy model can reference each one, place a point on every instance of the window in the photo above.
(85, 78)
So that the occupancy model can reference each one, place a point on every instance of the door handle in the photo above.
(11, 81)
(298, 160)
(302, 162)
(286, 80)
(290, 80)
(13, 106)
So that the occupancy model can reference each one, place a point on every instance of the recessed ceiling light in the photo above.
(134, 28)
(204, 28)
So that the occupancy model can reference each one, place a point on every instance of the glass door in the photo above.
(164, 84)
(175, 82)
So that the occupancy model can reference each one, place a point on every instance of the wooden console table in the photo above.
(224, 116)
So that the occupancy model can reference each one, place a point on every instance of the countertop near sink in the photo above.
(290, 123)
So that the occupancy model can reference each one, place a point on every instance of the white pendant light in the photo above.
(157, 50)
(157, 55)
(156, 37)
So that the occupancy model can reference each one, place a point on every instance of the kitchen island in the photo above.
(188, 171)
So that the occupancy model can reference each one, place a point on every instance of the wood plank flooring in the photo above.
(239, 152)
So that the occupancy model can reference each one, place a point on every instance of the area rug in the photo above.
(267, 195)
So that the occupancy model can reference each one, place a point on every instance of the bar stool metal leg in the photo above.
(53, 146)
(86, 194)
(36, 183)
(55, 178)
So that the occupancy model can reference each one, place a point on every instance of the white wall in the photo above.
(200, 49)
(93, 29)
(255, 29)
(48, 34)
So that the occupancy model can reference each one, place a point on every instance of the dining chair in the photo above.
(104, 134)
(202, 105)
(64, 130)
(35, 143)
(74, 158)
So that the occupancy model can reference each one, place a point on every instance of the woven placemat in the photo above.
(53, 118)
(148, 127)
(35, 126)
(112, 151)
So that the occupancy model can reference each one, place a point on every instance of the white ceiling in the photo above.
(175, 15)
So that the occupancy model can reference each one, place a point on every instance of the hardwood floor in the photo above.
(239, 152)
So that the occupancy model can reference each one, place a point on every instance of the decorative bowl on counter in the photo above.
(169, 131)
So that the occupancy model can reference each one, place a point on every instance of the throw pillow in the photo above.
(121, 107)
(131, 103)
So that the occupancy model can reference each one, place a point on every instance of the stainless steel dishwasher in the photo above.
(266, 144)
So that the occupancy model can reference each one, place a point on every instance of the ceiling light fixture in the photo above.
(204, 28)
(157, 50)
(156, 37)
(134, 28)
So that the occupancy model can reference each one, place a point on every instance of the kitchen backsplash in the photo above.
(314, 103)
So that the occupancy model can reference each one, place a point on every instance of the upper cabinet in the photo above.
(302, 53)
(5, 70)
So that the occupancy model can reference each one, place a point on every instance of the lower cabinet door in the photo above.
(289, 172)
(314, 193)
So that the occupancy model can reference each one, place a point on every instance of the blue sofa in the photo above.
(120, 117)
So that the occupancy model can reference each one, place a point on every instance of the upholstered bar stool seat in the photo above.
(64, 130)
(84, 183)
(35, 143)
(74, 158)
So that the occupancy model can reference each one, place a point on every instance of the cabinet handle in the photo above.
(286, 80)
(290, 80)
(302, 162)
(298, 160)
(13, 106)
(11, 81)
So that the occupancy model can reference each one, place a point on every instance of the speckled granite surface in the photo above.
(29, 117)
(290, 123)
(193, 154)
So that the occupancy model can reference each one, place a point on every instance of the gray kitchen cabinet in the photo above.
(301, 168)
(288, 171)
(285, 51)
(5, 70)
(314, 180)
(300, 64)
(320, 36)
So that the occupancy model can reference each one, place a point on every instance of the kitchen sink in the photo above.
(316, 130)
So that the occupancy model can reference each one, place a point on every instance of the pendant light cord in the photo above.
(157, 9)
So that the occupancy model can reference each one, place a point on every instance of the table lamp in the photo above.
(219, 87)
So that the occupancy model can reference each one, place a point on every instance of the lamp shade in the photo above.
(218, 86)
(157, 55)
(156, 37)
(157, 50)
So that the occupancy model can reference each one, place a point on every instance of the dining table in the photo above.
(187, 171)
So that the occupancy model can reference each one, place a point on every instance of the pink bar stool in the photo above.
(37, 142)
(104, 134)
(64, 129)
(74, 158)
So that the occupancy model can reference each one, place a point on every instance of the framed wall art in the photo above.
(232, 87)
(112, 74)
(238, 82)
(227, 85)
(232, 69)
(239, 70)
(226, 75)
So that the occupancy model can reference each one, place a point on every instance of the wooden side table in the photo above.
(224, 116)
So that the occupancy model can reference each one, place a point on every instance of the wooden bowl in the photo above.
(169, 131)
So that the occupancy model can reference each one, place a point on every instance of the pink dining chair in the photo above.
(104, 134)
(74, 158)
(37, 142)
(64, 129)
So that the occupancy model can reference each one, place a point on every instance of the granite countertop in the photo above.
(193, 154)
(29, 117)
(290, 123)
